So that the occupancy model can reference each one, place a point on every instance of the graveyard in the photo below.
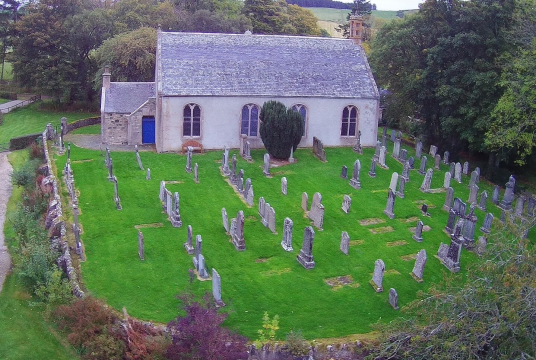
(138, 253)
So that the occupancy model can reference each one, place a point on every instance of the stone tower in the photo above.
(356, 29)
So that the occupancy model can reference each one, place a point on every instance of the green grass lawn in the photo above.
(264, 277)
(339, 15)
(89, 130)
(30, 120)
(8, 71)
(24, 334)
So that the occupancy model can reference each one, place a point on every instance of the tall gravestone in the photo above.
(411, 161)
(266, 169)
(141, 246)
(196, 173)
(354, 181)
(148, 175)
(393, 298)
(468, 230)
(531, 205)
(418, 149)
(418, 268)
(344, 172)
(284, 185)
(345, 242)
(482, 203)
(188, 244)
(287, 235)
(175, 216)
(305, 202)
(306, 253)
(473, 194)
(249, 196)
(377, 151)
(427, 181)
(450, 255)
(216, 288)
(458, 173)
(433, 150)
(520, 206)
(508, 198)
(317, 211)
(446, 181)
(475, 178)
(405, 171)
(346, 203)
(495, 195)
(401, 187)
(318, 149)
(225, 162)
(422, 168)
(449, 197)
(437, 162)
(389, 208)
(357, 147)
(396, 148)
(138, 157)
(238, 236)
(189, 159)
(372, 172)
(449, 228)
(377, 276)
(488, 221)
(452, 170)
(418, 231)
(394, 182)
(116, 196)
(381, 161)
(225, 220)
(446, 156)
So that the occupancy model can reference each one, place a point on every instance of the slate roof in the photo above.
(125, 97)
(263, 65)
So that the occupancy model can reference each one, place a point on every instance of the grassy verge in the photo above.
(264, 277)
(24, 334)
(89, 130)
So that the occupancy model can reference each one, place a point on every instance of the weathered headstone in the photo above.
(305, 202)
(344, 172)
(403, 155)
(318, 149)
(372, 172)
(346, 203)
(418, 268)
(162, 190)
(175, 216)
(148, 176)
(482, 203)
(188, 244)
(475, 178)
(531, 204)
(411, 161)
(377, 276)
(238, 236)
(433, 150)
(345, 242)
(394, 182)
(110, 170)
(446, 156)
(393, 135)
(449, 228)
(287, 235)
(284, 185)
(116, 196)
(458, 173)
(473, 194)
(393, 298)
(384, 140)
(354, 181)
(202, 269)
(196, 173)
(422, 168)
(377, 151)
(405, 171)
(249, 195)
(357, 147)
(216, 288)
(418, 231)
(468, 231)
(450, 255)
(401, 187)
(381, 161)
(138, 157)
(418, 149)
(306, 253)
(189, 159)
(141, 247)
(396, 148)
(389, 208)
(449, 197)
(520, 206)
(234, 178)
(465, 169)
(424, 210)
(225, 220)
(427, 181)
(437, 162)
(225, 162)
(495, 195)
(488, 221)
(198, 250)
(246, 154)
(271, 219)
(452, 170)
(317, 211)
(446, 182)
(508, 198)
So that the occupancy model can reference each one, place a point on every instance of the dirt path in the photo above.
(5, 193)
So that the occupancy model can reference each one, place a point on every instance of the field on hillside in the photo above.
(332, 300)
(339, 15)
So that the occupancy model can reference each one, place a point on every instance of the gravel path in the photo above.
(5, 193)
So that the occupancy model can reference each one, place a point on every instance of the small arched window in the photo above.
(349, 121)
(303, 112)
(250, 120)
(192, 120)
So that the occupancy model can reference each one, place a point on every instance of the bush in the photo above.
(26, 175)
(280, 129)
(36, 151)
(36, 264)
(296, 345)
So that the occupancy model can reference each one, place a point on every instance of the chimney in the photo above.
(106, 77)
(356, 29)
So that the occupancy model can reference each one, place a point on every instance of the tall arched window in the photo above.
(349, 121)
(250, 120)
(192, 120)
(303, 112)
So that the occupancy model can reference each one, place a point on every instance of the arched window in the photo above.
(349, 121)
(303, 112)
(250, 120)
(192, 120)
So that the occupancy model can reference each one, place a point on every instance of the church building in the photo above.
(209, 90)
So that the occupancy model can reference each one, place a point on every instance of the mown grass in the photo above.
(8, 71)
(31, 119)
(264, 277)
(339, 15)
(88, 130)
(24, 334)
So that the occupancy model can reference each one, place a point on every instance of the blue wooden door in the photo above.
(147, 130)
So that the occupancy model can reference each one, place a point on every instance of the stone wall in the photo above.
(135, 121)
(114, 129)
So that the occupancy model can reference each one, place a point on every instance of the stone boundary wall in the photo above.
(83, 123)
(55, 223)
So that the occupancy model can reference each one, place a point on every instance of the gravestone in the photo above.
(418, 268)
(393, 135)
(418, 231)
(405, 171)
(422, 168)
(266, 169)
(188, 244)
(238, 235)
(271, 219)
(291, 157)
(357, 147)
(116, 196)
(427, 181)
(437, 162)
(175, 216)
(394, 182)
(287, 235)
(225, 220)
(520, 206)
(225, 162)
(110, 170)
(488, 221)
(450, 255)
(265, 219)
(458, 173)
(234, 177)
(381, 161)
(306, 253)
(482, 204)
(446, 156)
(162, 190)
(418, 149)
(240, 181)
(449, 197)
(372, 172)
(305, 202)
(403, 155)
(148, 176)
(411, 161)
(344, 172)
(393, 298)
(446, 182)
(346, 203)
(141, 247)
(384, 140)
(247, 151)
(284, 185)
(198, 250)
(468, 231)
(401, 187)
(473, 194)
(452, 170)
(354, 181)
(531, 204)
(508, 198)
(465, 169)
(396, 148)
(449, 228)
(249, 195)
(189, 159)
(317, 211)
(433, 150)
(481, 245)
(262, 209)
(389, 208)
(318, 149)
(345, 242)
(216, 288)
(196, 173)
(377, 276)
(424, 210)
(202, 269)
(475, 179)
(138, 157)
(495, 195)
(377, 151)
